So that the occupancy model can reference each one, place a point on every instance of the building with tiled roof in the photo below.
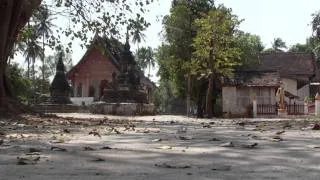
(290, 70)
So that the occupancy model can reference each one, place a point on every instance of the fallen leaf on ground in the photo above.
(185, 137)
(249, 146)
(241, 124)
(98, 159)
(165, 147)
(33, 153)
(280, 132)
(66, 131)
(88, 148)
(55, 148)
(31, 150)
(27, 160)
(94, 133)
(228, 144)
(173, 165)
(106, 147)
(214, 139)
(221, 168)
(277, 139)
(157, 140)
(206, 126)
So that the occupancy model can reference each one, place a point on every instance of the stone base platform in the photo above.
(60, 108)
(126, 109)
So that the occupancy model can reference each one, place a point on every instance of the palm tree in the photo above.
(43, 28)
(32, 51)
(146, 58)
(137, 35)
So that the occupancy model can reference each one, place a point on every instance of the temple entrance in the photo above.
(103, 84)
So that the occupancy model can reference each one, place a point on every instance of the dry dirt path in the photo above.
(83, 146)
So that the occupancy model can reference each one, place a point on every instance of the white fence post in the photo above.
(317, 105)
(306, 108)
(254, 108)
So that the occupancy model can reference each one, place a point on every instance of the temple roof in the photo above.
(110, 47)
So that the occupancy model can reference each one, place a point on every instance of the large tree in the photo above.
(179, 31)
(216, 53)
(14, 14)
(86, 17)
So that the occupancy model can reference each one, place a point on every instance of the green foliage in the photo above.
(107, 17)
(300, 48)
(250, 46)
(163, 96)
(20, 84)
(179, 31)
(316, 24)
(215, 44)
(138, 28)
(311, 45)
(145, 58)
(33, 49)
(278, 45)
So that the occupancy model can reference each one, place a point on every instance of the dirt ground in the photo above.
(84, 146)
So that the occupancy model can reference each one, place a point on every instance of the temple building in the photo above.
(94, 72)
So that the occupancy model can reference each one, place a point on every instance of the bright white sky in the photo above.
(287, 19)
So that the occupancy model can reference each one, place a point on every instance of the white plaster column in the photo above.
(75, 85)
(85, 90)
(254, 108)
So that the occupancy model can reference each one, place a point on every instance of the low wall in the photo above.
(80, 100)
(60, 108)
(127, 109)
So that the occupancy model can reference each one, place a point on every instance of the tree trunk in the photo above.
(149, 70)
(188, 95)
(42, 68)
(28, 70)
(33, 72)
(209, 105)
(13, 16)
(199, 106)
